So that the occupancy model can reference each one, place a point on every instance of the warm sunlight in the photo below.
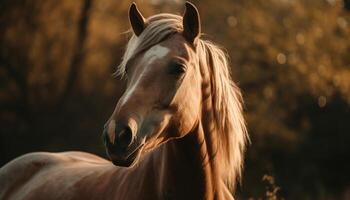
(218, 99)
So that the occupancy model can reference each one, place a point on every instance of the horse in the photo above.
(177, 132)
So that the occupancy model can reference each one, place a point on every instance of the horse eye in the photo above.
(176, 69)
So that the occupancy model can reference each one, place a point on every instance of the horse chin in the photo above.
(130, 161)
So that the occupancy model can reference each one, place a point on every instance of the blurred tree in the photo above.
(78, 56)
(347, 4)
(43, 58)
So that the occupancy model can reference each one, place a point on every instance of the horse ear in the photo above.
(137, 21)
(191, 23)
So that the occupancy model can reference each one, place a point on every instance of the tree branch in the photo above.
(78, 54)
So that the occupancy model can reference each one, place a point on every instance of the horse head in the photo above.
(163, 94)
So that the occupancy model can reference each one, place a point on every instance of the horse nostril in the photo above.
(124, 138)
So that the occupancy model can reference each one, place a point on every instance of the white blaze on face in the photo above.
(157, 52)
(111, 131)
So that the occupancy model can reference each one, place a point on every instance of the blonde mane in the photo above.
(228, 115)
(226, 96)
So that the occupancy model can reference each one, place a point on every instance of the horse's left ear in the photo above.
(137, 21)
(191, 23)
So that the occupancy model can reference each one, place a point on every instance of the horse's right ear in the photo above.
(191, 23)
(137, 21)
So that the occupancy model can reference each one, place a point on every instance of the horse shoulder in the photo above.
(18, 171)
(23, 169)
(80, 156)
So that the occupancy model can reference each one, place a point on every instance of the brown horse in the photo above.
(177, 131)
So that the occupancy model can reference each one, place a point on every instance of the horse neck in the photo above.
(189, 163)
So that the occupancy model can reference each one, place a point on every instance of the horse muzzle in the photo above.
(121, 146)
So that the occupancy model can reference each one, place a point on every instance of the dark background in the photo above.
(291, 59)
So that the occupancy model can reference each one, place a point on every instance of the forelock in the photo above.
(158, 28)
